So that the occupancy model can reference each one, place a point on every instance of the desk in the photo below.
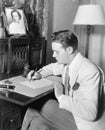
(12, 102)
(23, 95)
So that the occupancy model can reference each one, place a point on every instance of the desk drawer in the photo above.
(12, 121)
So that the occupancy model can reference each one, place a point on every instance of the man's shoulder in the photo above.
(89, 66)
(56, 64)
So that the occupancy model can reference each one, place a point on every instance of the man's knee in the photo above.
(29, 116)
(38, 124)
(50, 106)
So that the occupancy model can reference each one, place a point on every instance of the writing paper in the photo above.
(34, 84)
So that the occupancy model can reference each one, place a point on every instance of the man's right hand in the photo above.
(34, 75)
(29, 75)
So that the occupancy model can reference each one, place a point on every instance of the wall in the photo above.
(61, 15)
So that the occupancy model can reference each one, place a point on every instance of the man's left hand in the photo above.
(58, 89)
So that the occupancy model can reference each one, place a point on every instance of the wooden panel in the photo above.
(38, 52)
(20, 53)
(11, 121)
(3, 55)
(16, 52)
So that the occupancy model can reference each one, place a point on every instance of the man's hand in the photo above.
(29, 75)
(36, 75)
(32, 75)
(58, 89)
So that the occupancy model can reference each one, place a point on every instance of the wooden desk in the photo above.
(13, 102)
(23, 95)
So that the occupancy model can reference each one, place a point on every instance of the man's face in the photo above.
(59, 53)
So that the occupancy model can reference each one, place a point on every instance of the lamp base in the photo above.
(87, 40)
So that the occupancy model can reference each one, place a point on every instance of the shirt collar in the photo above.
(75, 60)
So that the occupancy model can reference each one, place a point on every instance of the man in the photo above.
(17, 25)
(81, 92)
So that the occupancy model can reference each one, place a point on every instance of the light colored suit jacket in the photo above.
(84, 101)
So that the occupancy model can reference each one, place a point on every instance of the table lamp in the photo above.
(89, 15)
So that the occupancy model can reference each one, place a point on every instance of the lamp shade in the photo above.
(89, 15)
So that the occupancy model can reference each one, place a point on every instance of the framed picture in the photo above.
(15, 22)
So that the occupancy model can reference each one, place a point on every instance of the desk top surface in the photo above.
(23, 95)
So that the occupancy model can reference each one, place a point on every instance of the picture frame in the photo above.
(15, 21)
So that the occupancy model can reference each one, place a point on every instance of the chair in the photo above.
(101, 99)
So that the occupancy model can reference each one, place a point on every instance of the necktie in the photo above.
(67, 81)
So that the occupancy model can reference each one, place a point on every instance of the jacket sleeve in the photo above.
(84, 101)
(52, 69)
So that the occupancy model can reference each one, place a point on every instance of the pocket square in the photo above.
(76, 86)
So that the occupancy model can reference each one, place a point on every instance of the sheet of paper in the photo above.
(37, 83)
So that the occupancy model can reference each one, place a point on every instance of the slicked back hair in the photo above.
(66, 38)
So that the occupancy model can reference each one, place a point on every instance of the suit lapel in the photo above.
(73, 70)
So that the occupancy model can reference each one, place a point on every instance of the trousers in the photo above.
(51, 117)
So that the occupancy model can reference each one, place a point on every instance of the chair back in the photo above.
(101, 95)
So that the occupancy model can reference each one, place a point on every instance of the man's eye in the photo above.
(57, 52)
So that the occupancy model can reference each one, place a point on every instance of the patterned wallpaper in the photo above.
(36, 13)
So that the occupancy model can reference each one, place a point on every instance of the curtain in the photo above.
(42, 16)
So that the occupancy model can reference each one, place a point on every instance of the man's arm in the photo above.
(84, 102)
(48, 70)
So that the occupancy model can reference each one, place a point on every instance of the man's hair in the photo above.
(13, 11)
(66, 38)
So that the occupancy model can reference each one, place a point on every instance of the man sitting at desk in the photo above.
(80, 95)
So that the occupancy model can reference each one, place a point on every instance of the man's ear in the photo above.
(70, 50)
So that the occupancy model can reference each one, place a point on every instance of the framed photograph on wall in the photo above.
(15, 22)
